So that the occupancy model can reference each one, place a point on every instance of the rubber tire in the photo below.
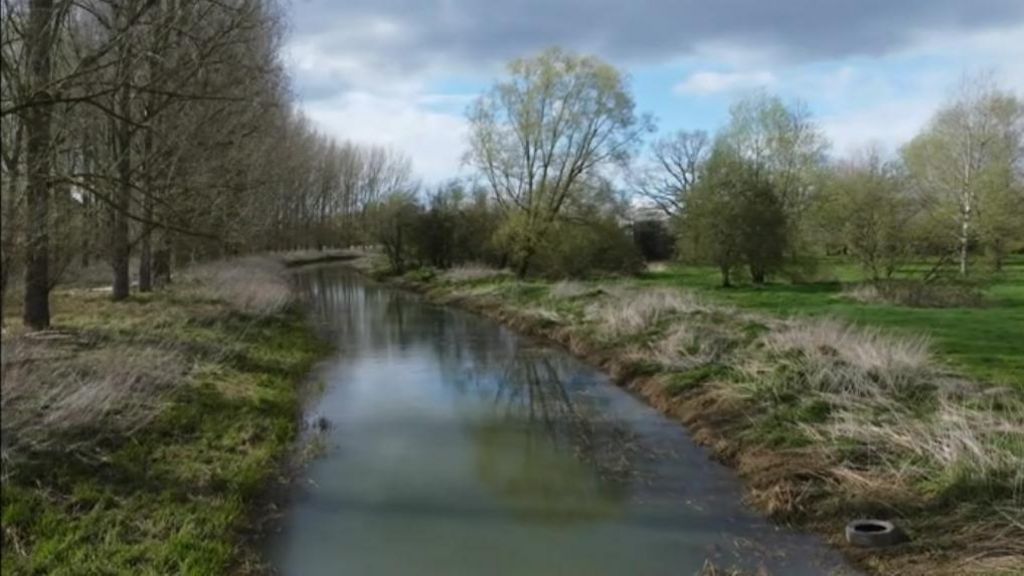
(886, 534)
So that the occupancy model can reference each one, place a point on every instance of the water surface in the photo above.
(458, 447)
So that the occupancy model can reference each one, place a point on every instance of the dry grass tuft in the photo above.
(568, 289)
(627, 313)
(960, 444)
(898, 414)
(58, 398)
(836, 358)
(252, 285)
(687, 345)
(473, 273)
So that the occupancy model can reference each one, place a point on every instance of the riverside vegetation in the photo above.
(137, 437)
(136, 433)
(825, 419)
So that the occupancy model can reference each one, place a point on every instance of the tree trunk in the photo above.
(757, 275)
(964, 239)
(10, 229)
(146, 248)
(120, 242)
(162, 263)
(37, 156)
(524, 265)
(726, 281)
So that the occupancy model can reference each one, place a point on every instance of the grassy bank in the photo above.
(137, 436)
(982, 341)
(826, 420)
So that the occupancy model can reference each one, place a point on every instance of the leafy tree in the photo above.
(867, 210)
(536, 136)
(735, 217)
(393, 221)
(968, 155)
(786, 148)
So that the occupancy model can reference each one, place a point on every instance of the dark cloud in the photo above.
(475, 32)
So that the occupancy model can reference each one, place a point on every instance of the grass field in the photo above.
(139, 435)
(985, 343)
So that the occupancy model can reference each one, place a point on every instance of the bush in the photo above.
(654, 240)
(917, 294)
(572, 250)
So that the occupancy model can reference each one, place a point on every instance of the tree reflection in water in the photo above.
(542, 444)
(543, 448)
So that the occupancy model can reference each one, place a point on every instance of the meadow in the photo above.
(985, 342)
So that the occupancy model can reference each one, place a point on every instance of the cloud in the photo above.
(409, 36)
(434, 140)
(888, 125)
(704, 83)
(373, 70)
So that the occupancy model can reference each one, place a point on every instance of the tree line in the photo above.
(160, 132)
(562, 170)
(764, 196)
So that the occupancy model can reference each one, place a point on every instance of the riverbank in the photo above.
(139, 436)
(825, 422)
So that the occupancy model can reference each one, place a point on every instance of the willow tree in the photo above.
(539, 134)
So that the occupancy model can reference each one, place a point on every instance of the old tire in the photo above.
(873, 533)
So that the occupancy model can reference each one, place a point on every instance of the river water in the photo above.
(457, 447)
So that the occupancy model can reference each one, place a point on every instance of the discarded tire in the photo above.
(873, 533)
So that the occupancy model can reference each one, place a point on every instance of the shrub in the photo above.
(572, 250)
(654, 240)
(917, 294)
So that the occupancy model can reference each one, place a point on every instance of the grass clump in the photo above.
(473, 273)
(253, 285)
(138, 435)
(682, 382)
(623, 314)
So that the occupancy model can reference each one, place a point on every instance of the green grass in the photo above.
(173, 497)
(985, 343)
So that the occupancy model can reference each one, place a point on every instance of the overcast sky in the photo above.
(401, 72)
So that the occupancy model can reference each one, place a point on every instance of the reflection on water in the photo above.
(458, 447)
(543, 451)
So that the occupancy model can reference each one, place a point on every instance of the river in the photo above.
(457, 447)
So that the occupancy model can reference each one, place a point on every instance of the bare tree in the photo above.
(673, 170)
(39, 37)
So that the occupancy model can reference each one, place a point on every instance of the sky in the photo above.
(401, 73)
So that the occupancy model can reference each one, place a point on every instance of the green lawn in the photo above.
(987, 343)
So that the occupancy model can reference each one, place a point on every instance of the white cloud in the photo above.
(889, 125)
(705, 83)
(435, 141)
